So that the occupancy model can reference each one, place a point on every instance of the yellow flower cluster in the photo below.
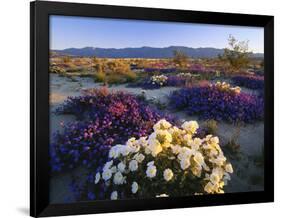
(169, 155)
(159, 80)
(223, 86)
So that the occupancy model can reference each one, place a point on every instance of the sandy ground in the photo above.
(248, 176)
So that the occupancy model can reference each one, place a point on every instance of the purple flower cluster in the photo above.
(160, 70)
(211, 103)
(176, 81)
(251, 81)
(111, 119)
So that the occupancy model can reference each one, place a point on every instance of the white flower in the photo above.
(214, 178)
(151, 163)
(164, 137)
(176, 149)
(107, 165)
(114, 195)
(198, 158)
(106, 174)
(155, 147)
(184, 153)
(219, 160)
(121, 167)
(185, 163)
(196, 143)
(133, 165)
(151, 171)
(114, 151)
(125, 150)
(209, 187)
(190, 126)
(168, 174)
(118, 178)
(162, 124)
(228, 168)
(131, 141)
(97, 178)
(113, 169)
(162, 196)
(215, 140)
(135, 187)
(139, 157)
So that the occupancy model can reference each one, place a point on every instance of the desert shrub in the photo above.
(236, 56)
(116, 71)
(57, 70)
(211, 127)
(251, 82)
(210, 102)
(111, 118)
(180, 59)
(99, 77)
(232, 145)
(170, 161)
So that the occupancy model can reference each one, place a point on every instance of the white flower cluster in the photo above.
(223, 86)
(170, 155)
(159, 80)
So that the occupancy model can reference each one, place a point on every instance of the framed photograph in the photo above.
(144, 108)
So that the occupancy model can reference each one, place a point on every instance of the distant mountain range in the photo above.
(143, 52)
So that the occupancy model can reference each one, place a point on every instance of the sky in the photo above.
(79, 32)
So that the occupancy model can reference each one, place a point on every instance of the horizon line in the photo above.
(255, 52)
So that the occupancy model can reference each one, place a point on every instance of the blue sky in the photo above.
(79, 32)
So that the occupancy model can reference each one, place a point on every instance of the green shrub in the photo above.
(211, 127)
(99, 77)
(57, 70)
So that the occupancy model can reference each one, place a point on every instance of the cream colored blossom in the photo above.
(151, 171)
(139, 157)
(190, 126)
(162, 124)
(228, 168)
(134, 187)
(118, 178)
(107, 165)
(97, 178)
(121, 167)
(185, 163)
(162, 196)
(114, 195)
(168, 174)
(155, 147)
(133, 165)
(106, 174)
(198, 158)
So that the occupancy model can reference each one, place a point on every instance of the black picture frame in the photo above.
(39, 107)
